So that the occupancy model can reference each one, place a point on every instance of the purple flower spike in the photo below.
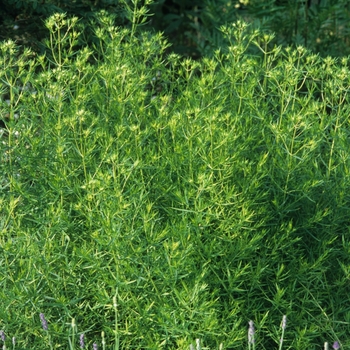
(336, 345)
(94, 345)
(251, 332)
(2, 335)
(43, 322)
(82, 341)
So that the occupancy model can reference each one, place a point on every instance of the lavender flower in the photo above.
(43, 322)
(336, 345)
(251, 332)
(94, 346)
(82, 341)
(2, 335)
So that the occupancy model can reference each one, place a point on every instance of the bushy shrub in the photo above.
(201, 194)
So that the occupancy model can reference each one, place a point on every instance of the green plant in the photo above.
(136, 14)
(207, 193)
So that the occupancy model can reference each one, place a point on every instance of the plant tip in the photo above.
(336, 345)
(251, 332)
(82, 341)
(284, 322)
(43, 322)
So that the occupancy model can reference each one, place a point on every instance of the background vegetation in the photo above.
(193, 26)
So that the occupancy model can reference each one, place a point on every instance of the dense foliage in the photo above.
(201, 194)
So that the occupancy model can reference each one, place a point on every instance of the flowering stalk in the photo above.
(3, 338)
(115, 307)
(81, 341)
(43, 322)
(103, 340)
(284, 325)
(45, 328)
(251, 334)
(72, 341)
